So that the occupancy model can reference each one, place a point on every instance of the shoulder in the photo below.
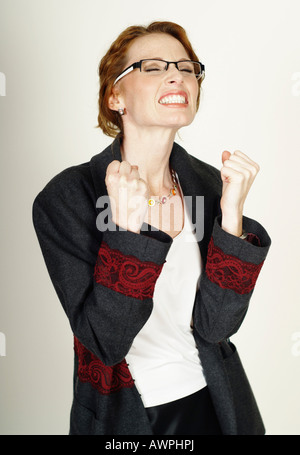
(206, 171)
(75, 190)
(69, 183)
(66, 206)
(81, 178)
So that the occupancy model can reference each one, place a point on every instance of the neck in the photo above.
(150, 150)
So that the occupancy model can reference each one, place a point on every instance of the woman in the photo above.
(151, 256)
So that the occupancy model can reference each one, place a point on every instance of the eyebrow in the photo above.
(160, 58)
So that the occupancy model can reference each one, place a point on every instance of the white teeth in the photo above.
(173, 99)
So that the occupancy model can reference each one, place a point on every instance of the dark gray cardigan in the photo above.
(105, 314)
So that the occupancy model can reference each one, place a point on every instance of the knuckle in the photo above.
(113, 165)
(123, 180)
(126, 166)
(133, 183)
(239, 177)
(112, 168)
(254, 169)
(247, 173)
(143, 184)
(109, 178)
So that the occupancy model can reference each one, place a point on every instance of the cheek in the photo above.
(194, 91)
(140, 98)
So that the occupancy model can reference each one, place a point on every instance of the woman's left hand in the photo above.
(238, 174)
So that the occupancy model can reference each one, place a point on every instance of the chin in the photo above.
(179, 122)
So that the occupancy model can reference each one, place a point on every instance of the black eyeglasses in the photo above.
(156, 67)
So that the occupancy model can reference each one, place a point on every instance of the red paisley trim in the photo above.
(229, 272)
(126, 274)
(105, 379)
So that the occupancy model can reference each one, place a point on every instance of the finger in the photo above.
(143, 186)
(239, 159)
(134, 184)
(238, 154)
(112, 172)
(134, 172)
(225, 156)
(113, 167)
(230, 174)
(125, 168)
(240, 165)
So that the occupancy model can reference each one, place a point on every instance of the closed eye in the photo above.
(187, 70)
(148, 70)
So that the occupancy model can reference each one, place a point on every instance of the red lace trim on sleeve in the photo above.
(105, 379)
(229, 272)
(126, 274)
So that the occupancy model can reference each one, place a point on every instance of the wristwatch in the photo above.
(244, 235)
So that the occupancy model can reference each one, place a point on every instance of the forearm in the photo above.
(105, 310)
(226, 285)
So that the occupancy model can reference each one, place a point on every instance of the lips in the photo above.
(174, 98)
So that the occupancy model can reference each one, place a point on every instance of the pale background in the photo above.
(50, 51)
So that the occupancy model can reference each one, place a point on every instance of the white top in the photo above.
(163, 358)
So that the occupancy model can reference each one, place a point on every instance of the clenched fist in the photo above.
(128, 195)
(238, 174)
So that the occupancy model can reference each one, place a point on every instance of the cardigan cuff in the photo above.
(247, 250)
(233, 263)
(150, 245)
(131, 263)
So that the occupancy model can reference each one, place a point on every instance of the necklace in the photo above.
(164, 199)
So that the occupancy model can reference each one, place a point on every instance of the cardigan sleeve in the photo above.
(104, 280)
(227, 283)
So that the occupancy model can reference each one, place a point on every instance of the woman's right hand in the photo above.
(128, 195)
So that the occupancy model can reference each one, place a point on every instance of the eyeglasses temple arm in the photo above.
(127, 70)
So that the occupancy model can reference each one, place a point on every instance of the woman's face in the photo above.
(145, 95)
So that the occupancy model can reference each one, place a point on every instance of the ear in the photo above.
(114, 101)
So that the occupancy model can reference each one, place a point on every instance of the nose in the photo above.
(173, 75)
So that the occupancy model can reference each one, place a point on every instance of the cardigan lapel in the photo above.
(99, 165)
(197, 184)
(200, 190)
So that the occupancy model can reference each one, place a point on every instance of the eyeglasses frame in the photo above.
(139, 65)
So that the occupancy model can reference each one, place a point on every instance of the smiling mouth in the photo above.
(173, 99)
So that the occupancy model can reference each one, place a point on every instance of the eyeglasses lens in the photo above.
(159, 66)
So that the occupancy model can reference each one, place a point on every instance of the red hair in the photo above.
(114, 61)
